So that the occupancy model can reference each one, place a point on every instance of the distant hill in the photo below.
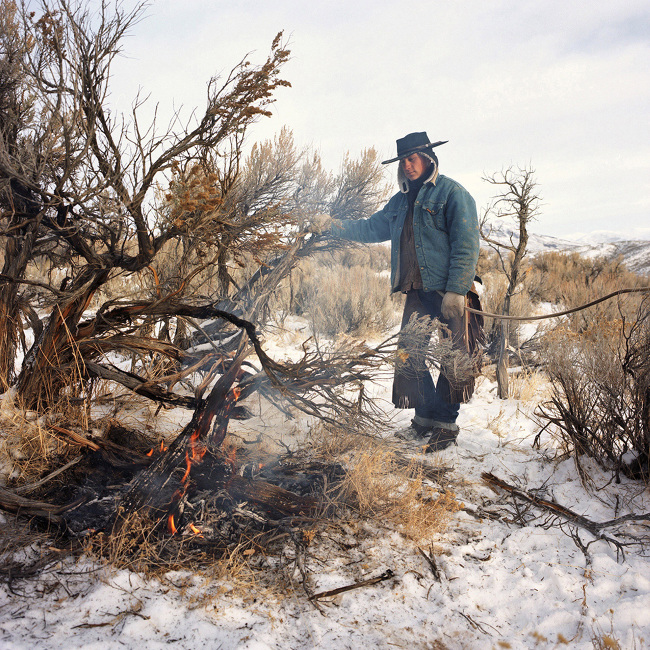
(635, 253)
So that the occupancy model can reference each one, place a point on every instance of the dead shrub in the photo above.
(562, 281)
(600, 403)
(571, 280)
(376, 257)
(342, 300)
(488, 261)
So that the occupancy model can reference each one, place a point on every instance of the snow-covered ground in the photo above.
(501, 585)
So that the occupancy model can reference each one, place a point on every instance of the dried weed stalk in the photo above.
(27, 448)
(379, 486)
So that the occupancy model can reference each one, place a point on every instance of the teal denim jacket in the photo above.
(446, 230)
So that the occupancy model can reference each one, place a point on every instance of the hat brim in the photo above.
(406, 154)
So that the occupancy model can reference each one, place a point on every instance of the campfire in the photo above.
(197, 496)
(189, 503)
(209, 502)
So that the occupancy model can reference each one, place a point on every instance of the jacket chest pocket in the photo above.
(398, 213)
(395, 220)
(435, 212)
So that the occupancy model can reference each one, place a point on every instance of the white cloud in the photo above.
(563, 86)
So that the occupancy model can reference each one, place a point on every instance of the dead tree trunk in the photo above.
(502, 361)
(9, 333)
(504, 335)
(43, 372)
(519, 202)
(18, 253)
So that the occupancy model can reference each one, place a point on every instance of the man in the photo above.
(433, 229)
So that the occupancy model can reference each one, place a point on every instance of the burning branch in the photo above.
(150, 489)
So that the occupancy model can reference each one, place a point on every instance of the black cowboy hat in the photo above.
(414, 143)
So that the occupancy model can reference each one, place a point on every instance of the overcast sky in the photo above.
(563, 86)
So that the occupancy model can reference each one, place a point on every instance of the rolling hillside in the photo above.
(634, 253)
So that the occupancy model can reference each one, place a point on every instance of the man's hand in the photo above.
(453, 306)
(319, 224)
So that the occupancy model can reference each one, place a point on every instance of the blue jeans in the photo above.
(416, 387)
(435, 409)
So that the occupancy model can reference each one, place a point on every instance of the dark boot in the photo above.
(441, 439)
(415, 432)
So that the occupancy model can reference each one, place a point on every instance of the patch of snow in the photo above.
(502, 584)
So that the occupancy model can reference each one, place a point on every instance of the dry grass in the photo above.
(605, 642)
(381, 484)
(527, 385)
(329, 442)
(134, 546)
(499, 424)
(602, 640)
(27, 448)
(382, 488)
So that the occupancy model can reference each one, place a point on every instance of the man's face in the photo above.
(414, 166)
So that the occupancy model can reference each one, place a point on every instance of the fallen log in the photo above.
(594, 527)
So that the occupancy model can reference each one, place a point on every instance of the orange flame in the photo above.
(170, 525)
(162, 448)
(188, 467)
(195, 530)
(198, 450)
(194, 454)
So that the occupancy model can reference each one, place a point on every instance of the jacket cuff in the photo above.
(456, 288)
